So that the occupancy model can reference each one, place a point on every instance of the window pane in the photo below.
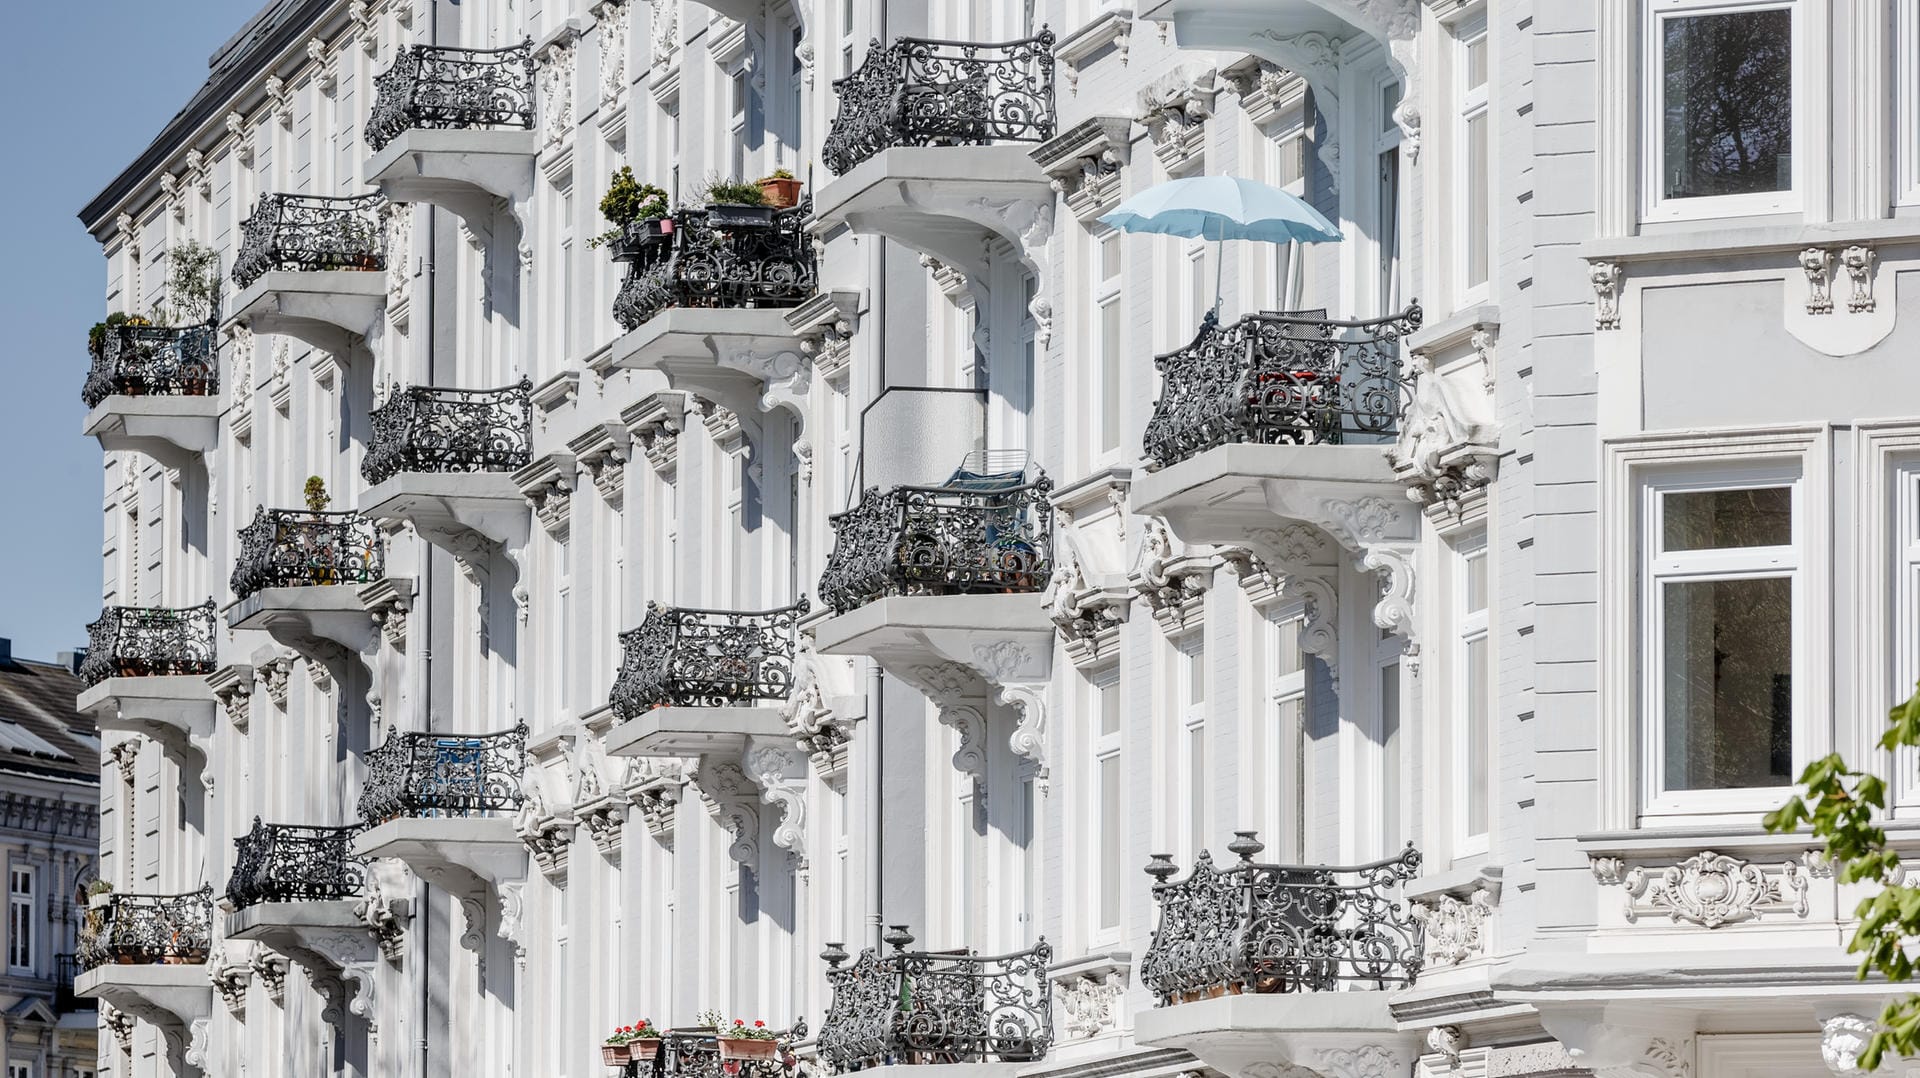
(1109, 709)
(1110, 376)
(1728, 113)
(1289, 634)
(1197, 787)
(1473, 727)
(1109, 829)
(1476, 573)
(1109, 257)
(1728, 686)
(1197, 675)
(1476, 197)
(1476, 66)
(1722, 519)
(1390, 751)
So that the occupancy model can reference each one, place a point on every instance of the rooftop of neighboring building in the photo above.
(41, 732)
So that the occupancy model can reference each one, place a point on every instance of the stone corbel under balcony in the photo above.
(389, 600)
(745, 755)
(825, 326)
(330, 939)
(173, 429)
(950, 202)
(468, 514)
(1449, 446)
(326, 624)
(478, 174)
(1086, 162)
(602, 451)
(956, 649)
(748, 360)
(465, 856)
(1255, 496)
(1109, 28)
(333, 310)
(175, 999)
(547, 485)
(1331, 1034)
(175, 710)
(232, 686)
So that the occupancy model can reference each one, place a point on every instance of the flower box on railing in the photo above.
(132, 641)
(296, 548)
(417, 774)
(923, 92)
(936, 1006)
(128, 929)
(294, 863)
(1281, 379)
(715, 257)
(437, 86)
(139, 360)
(430, 429)
(1262, 928)
(947, 540)
(700, 1052)
(311, 232)
(684, 657)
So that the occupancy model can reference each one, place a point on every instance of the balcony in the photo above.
(298, 576)
(146, 671)
(310, 267)
(154, 390)
(1281, 415)
(930, 144)
(144, 954)
(700, 1053)
(296, 889)
(454, 128)
(695, 682)
(1278, 962)
(443, 460)
(936, 1007)
(703, 303)
(443, 803)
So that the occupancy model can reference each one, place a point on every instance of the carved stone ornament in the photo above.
(1842, 1038)
(666, 32)
(230, 977)
(1175, 109)
(1712, 890)
(1858, 262)
(1174, 584)
(556, 90)
(1447, 1042)
(1088, 1000)
(1455, 929)
(271, 968)
(734, 802)
(615, 16)
(384, 907)
(1449, 444)
(1605, 277)
(819, 732)
(1088, 619)
(1086, 163)
(547, 833)
(275, 677)
(1818, 265)
(655, 786)
(782, 777)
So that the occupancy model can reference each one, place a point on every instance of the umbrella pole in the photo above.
(1219, 263)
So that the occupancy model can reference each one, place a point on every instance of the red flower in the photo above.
(738, 1022)
(759, 1024)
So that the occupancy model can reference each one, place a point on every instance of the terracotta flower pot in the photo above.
(644, 1049)
(780, 193)
(748, 1048)
(616, 1055)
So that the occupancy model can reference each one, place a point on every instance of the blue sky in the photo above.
(86, 95)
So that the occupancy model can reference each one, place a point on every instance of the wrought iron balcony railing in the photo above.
(1281, 379)
(1280, 928)
(698, 1053)
(947, 540)
(295, 548)
(429, 429)
(692, 263)
(142, 641)
(65, 967)
(153, 361)
(921, 92)
(936, 1006)
(281, 862)
(425, 774)
(147, 929)
(683, 657)
(436, 86)
(311, 232)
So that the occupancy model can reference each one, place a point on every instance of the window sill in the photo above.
(1725, 238)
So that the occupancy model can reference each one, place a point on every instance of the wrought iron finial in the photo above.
(1246, 844)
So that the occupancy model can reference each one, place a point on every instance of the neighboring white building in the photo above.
(913, 568)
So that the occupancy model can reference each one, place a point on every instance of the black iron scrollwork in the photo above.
(153, 361)
(138, 641)
(147, 929)
(311, 232)
(1281, 379)
(279, 862)
(692, 263)
(429, 429)
(1281, 928)
(683, 657)
(294, 548)
(698, 1053)
(936, 1007)
(421, 774)
(922, 92)
(940, 541)
(437, 86)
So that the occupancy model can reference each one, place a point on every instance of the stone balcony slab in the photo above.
(172, 996)
(173, 429)
(476, 173)
(458, 854)
(176, 710)
(1245, 1035)
(331, 310)
(697, 731)
(945, 201)
(323, 623)
(747, 359)
(466, 513)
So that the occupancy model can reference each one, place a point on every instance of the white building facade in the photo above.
(822, 615)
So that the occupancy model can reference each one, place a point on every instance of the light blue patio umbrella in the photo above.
(1222, 208)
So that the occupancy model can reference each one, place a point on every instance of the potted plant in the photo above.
(645, 1043)
(736, 204)
(743, 1041)
(617, 1049)
(628, 203)
(323, 559)
(780, 189)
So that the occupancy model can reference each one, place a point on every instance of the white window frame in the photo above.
(1101, 748)
(1110, 368)
(1191, 754)
(1653, 206)
(1906, 104)
(21, 910)
(1288, 263)
(1904, 634)
(1471, 103)
(1288, 833)
(1654, 568)
(1470, 627)
(1888, 586)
